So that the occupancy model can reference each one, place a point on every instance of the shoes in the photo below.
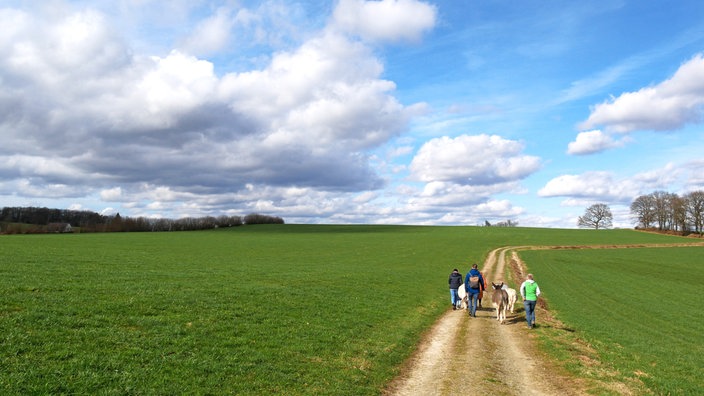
(530, 326)
(454, 308)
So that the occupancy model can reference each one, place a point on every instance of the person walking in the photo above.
(481, 292)
(474, 284)
(530, 292)
(455, 281)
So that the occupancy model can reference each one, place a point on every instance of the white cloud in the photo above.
(111, 194)
(663, 107)
(25, 165)
(598, 185)
(473, 160)
(604, 186)
(325, 94)
(211, 34)
(173, 86)
(590, 142)
(385, 20)
(111, 116)
(695, 180)
(236, 29)
(657, 179)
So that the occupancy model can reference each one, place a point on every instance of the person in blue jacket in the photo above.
(473, 289)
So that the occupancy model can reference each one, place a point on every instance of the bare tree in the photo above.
(678, 208)
(662, 199)
(643, 209)
(694, 203)
(596, 216)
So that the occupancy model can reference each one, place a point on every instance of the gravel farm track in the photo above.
(496, 359)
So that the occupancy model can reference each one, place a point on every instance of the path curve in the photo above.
(499, 359)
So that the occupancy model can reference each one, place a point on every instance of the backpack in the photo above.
(474, 282)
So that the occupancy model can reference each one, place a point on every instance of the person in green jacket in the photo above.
(530, 292)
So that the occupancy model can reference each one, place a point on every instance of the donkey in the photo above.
(462, 294)
(500, 300)
(511, 296)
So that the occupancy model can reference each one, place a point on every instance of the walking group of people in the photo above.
(474, 284)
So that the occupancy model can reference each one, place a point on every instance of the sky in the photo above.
(448, 112)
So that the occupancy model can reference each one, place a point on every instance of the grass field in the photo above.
(284, 309)
(637, 308)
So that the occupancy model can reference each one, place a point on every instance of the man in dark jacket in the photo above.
(455, 282)
(473, 289)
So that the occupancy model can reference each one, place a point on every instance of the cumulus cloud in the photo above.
(385, 20)
(595, 141)
(473, 160)
(588, 185)
(605, 186)
(666, 106)
(461, 176)
(79, 108)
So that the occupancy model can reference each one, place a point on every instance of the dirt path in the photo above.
(498, 359)
(495, 359)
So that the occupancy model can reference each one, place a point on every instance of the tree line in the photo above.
(670, 212)
(40, 220)
(507, 223)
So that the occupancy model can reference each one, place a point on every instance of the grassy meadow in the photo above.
(637, 309)
(282, 309)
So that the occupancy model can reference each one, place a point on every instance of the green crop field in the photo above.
(283, 309)
(637, 308)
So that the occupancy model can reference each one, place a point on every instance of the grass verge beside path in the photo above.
(636, 309)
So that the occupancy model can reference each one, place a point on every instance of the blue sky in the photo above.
(393, 112)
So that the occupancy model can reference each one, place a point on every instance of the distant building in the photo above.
(59, 227)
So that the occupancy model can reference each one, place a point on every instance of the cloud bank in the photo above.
(82, 113)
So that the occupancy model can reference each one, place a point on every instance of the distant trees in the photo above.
(256, 218)
(596, 216)
(507, 223)
(44, 216)
(694, 204)
(670, 212)
(643, 209)
(39, 220)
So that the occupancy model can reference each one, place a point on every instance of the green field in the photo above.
(637, 308)
(283, 309)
